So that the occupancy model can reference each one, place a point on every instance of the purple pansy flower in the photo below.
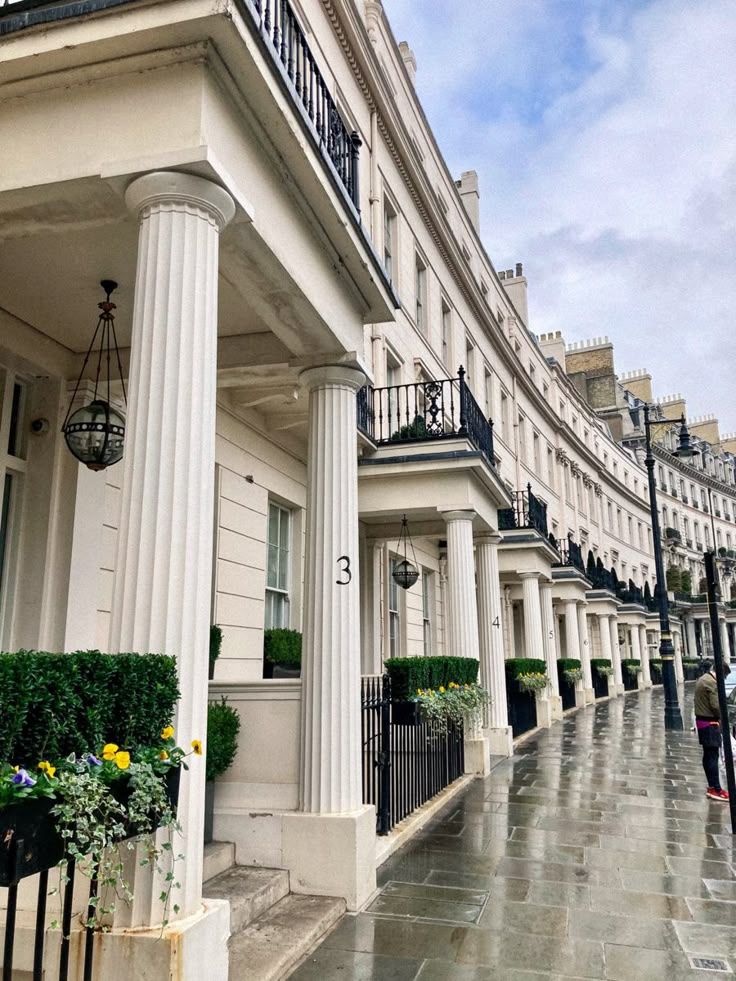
(24, 779)
(93, 760)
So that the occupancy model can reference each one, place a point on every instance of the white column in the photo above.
(588, 689)
(606, 652)
(162, 588)
(329, 847)
(549, 638)
(533, 636)
(463, 617)
(692, 644)
(677, 644)
(616, 656)
(645, 671)
(725, 646)
(572, 643)
(491, 642)
(636, 651)
(509, 635)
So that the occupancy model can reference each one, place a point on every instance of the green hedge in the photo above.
(215, 643)
(630, 662)
(568, 664)
(525, 665)
(600, 662)
(281, 646)
(223, 726)
(655, 668)
(56, 704)
(410, 673)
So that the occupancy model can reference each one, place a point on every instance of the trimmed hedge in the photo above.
(655, 669)
(281, 646)
(600, 662)
(525, 665)
(215, 644)
(410, 673)
(632, 662)
(57, 704)
(223, 726)
(568, 664)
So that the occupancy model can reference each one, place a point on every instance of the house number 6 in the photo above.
(346, 571)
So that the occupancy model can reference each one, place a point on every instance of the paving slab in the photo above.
(591, 854)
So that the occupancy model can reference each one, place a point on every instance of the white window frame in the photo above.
(420, 289)
(427, 607)
(394, 611)
(279, 594)
(12, 477)
(390, 243)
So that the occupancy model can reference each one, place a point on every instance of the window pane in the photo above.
(283, 580)
(273, 566)
(5, 531)
(273, 524)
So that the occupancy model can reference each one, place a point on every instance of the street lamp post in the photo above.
(672, 714)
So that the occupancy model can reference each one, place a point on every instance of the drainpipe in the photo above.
(517, 448)
(374, 199)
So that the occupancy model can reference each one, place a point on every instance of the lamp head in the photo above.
(685, 449)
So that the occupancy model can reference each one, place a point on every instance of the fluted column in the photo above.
(572, 643)
(692, 644)
(585, 652)
(330, 760)
(491, 643)
(606, 651)
(549, 639)
(725, 646)
(463, 618)
(677, 644)
(616, 656)
(636, 652)
(163, 570)
(534, 637)
(463, 607)
(645, 670)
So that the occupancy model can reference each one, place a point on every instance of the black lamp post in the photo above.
(685, 449)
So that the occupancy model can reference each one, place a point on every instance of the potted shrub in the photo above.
(602, 670)
(282, 653)
(223, 726)
(88, 761)
(215, 647)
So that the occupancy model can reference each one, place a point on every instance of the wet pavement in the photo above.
(593, 853)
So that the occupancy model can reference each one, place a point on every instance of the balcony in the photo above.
(717, 513)
(672, 535)
(571, 554)
(685, 499)
(527, 512)
(425, 412)
(695, 504)
(673, 491)
(699, 546)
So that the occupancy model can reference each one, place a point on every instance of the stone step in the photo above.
(250, 892)
(272, 946)
(219, 856)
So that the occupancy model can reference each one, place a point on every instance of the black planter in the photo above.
(271, 670)
(600, 685)
(406, 714)
(631, 681)
(209, 811)
(522, 707)
(29, 841)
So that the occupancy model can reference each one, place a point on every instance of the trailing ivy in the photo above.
(54, 705)
(631, 665)
(411, 674)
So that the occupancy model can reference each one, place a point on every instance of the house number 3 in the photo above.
(345, 570)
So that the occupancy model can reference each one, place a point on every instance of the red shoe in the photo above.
(716, 794)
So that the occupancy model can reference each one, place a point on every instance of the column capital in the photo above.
(332, 376)
(581, 603)
(173, 187)
(530, 575)
(458, 515)
(488, 538)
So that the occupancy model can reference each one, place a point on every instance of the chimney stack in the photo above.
(410, 61)
(468, 188)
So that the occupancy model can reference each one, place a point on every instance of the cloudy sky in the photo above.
(604, 136)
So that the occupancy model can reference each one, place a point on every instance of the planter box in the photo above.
(271, 670)
(631, 681)
(522, 707)
(29, 841)
(406, 714)
(600, 685)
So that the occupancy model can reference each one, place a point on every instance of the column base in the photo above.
(188, 950)
(478, 757)
(588, 696)
(500, 741)
(544, 713)
(555, 702)
(644, 684)
(619, 689)
(331, 854)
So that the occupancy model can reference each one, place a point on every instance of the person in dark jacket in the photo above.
(708, 724)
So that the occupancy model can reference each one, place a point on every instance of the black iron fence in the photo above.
(42, 971)
(285, 37)
(407, 760)
(571, 554)
(428, 410)
(527, 511)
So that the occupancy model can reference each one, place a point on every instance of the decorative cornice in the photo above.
(587, 480)
(561, 456)
(575, 469)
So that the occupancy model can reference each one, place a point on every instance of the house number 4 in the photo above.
(345, 570)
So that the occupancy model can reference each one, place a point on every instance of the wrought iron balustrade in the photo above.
(672, 535)
(571, 554)
(284, 36)
(423, 411)
(527, 512)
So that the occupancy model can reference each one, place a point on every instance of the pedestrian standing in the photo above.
(708, 724)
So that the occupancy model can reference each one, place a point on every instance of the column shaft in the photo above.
(163, 571)
(533, 637)
(585, 646)
(330, 759)
(490, 629)
(548, 635)
(606, 652)
(692, 644)
(616, 654)
(463, 606)
(572, 635)
(645, 670)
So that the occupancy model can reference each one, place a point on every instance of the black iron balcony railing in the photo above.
(527, 512)
(285, 37)
(571, 554)
(424, 411)
(672, 535)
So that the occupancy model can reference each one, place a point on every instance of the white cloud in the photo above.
(603, 134)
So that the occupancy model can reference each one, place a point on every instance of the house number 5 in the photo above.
(345, 570)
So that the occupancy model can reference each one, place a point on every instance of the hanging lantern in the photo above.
(404, 573)
(95, 433)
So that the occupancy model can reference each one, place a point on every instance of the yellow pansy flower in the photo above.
(109, 750)
(197, 746)
(122, 760)
(442, 689)
(167, 732)
(163, 755)
(47, 768)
